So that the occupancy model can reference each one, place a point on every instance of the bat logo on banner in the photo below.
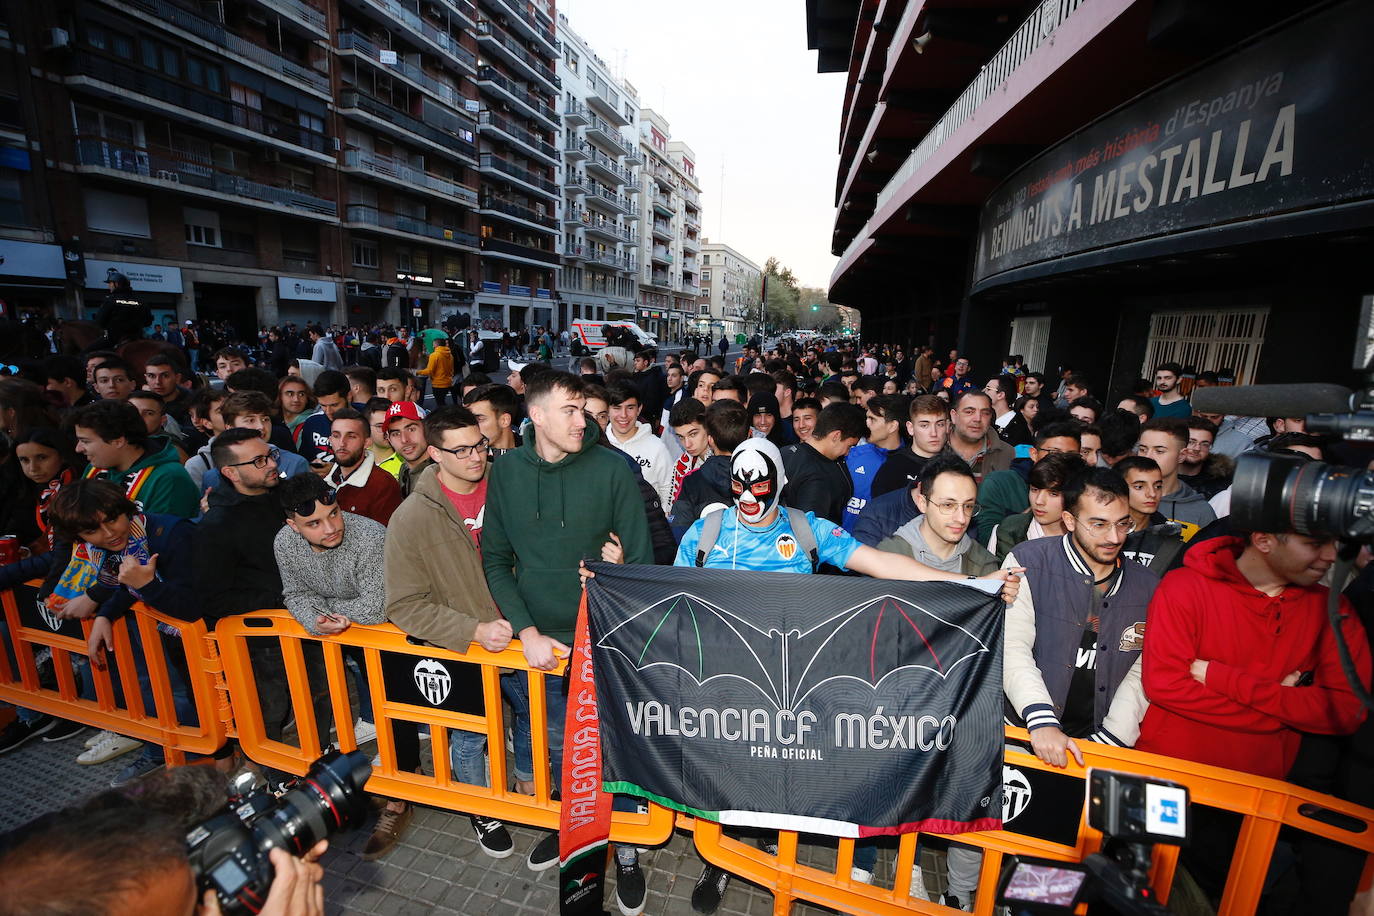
(432, 679)
(883, 635)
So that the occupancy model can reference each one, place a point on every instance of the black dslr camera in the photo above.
(1133, 813)
(228, 852)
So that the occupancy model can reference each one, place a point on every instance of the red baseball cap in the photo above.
(404, 410)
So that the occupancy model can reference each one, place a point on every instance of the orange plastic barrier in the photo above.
(30, 629)
(1266, 806)
(439, 789)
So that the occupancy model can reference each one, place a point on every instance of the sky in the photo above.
(737, 84)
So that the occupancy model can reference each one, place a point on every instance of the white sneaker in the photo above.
(99, 737)
(364, 731)
(115, 746)
(918, 883)
(863, 876)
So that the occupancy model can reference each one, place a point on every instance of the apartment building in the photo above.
(264, 161)
(670, 233)
(518, 160)
(1106, 185)
(730, 288)
(600, 183)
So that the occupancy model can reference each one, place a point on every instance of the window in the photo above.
(202, 227)
(121, 214)
(1211, 339)
(205, 75)
(364, 254)
(705, 274)
(570, 58)
(705, 259)
(706, 291)
(11, 198)
(704, 309)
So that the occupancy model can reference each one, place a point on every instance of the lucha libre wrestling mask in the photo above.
(756, 479)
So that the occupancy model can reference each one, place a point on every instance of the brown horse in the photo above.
(76, 336)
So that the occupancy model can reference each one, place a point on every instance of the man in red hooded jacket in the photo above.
(1239, 661)
(1239, 658)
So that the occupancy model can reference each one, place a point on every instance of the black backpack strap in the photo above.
(710, 531)
(806, 538)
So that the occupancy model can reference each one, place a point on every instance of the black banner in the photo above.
(35, 615)
(1276, 127)
(433, 682)
(840, 705)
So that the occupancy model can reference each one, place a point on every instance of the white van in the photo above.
(593, 338)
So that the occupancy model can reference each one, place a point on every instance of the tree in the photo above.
(783, 296)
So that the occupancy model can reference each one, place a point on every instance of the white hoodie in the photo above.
(652, 455)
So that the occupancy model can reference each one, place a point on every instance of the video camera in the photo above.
(228, 852)
(1133, 813)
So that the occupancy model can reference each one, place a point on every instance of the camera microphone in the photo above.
(1272, 400)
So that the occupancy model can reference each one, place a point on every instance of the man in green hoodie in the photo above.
(113, 438)
(550, 504)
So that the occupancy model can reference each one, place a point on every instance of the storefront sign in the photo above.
(309, 290)
(369, 291)
(144, 278)
(1273, 128)
(29, 259)
(519, 290)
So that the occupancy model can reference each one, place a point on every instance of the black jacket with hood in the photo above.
(235, 566)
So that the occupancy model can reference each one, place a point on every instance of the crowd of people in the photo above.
(1138, 614)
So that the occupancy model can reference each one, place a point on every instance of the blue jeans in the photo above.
(556, 710)
(353, 660)
(175, 662)
(465, 748)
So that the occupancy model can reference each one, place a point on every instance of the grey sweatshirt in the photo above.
(346, 581)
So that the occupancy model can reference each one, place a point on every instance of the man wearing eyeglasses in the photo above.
(436, 591)
(236, 570)
(1076, 629)
(947, 498)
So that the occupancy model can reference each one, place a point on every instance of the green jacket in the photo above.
(1001, 494)
(1012, 531)
(168, 489)
(543, 518)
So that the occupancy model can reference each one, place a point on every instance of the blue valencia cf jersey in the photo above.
(864, 460)
(771, 549)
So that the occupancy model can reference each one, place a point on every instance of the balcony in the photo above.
(606, 229)
(604, 132)
(663, 206)
(178, 19)
(605, 166)
(576, 151)
(404, 69)
(370, 218)
(406, 20)
(575, 114)
(501, 247)
(493, 37)
(531, 24)
(604, 98)
(659, 278)
(629, 265)
(153, 93)
(660, 255)
(575, 252)
(393, 121)
(170, 169)
(606, 199)
(576, 182)
(662, 230)
(690, 243)
(690, 219)
(507, 209)
(691, 196)
(501, 87)
(504, 128)
(403, 176)
(300, 15)
(495, 164)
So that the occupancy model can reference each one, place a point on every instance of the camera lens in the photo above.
(327, 799)
(1288, 493)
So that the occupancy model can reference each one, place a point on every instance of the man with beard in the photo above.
(974, 438)
(361, 486)
(1169, 402)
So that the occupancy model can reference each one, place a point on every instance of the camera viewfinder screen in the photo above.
(1166, 810)
(1044, 884)
(229, 875)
